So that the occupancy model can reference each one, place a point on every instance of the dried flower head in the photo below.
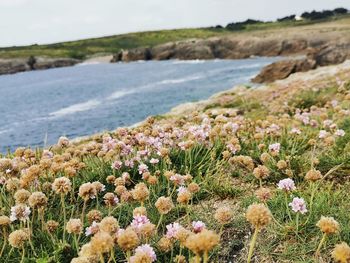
(62, 185)
(102, 242)
(4, 221)
(128, 239)
(164, 205)
(21, 196)
(165, 244)
(261, 172)
(87, 191)
(313, 175)
(37, 200)
(341, 253)
(328, 225)
(51, 226)
(263, 194)
(109, 224)
(224, 215)
(20, 212)
(202, 242)
(74, 226)
(258, 215)
(18, 238)
(94, 215)
(140, 192)
(141, 210)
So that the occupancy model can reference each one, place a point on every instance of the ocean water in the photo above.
(41, 106)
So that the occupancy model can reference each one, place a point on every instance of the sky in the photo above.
(25, 22)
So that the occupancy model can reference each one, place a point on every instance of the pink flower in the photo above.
(172, 230)
(286, 184)
(298, 205)
(322, 134)
(143, 168)
(177, 179)
(340, 133)
(275, 147)
(91, 230)
(147, 249)
(154, 161)
(139, 221)
(295, 131)
(198, 226)
(117, 165)
(182, 189)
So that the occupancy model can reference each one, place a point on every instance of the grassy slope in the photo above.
(112, 44)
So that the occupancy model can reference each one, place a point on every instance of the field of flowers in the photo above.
(247, 179)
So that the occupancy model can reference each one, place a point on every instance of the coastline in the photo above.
(265, 92)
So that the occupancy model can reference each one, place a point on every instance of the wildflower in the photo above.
(261, 172)
(74, 226)
(275, 148)
(62, 185)
(109, 224)
(295, 131)
(87, 191)
(202, 243)
(63, 141)
(341, 253)
(177, 179)
(102, 242)
(328, 225)
(154, 161)
(117, 165)
(198, 226)
(94, 215)
(298, 205)
(313, 175)
(258, 215)
(138, 222)
(142, 168)
(140, 192)
(110, 199)
(37, 200)
(51, 226)
(141, 210)
(165, 244)
(4, 221)
(18, 238)
(147, 250)
(99, 186)
(20, 212)
(183, 196)
(21, 196)
(286, 185)
(172, 230)
(339, 133)
(264, 194)
(282, 164)
(127, 239)
(322, 134)
(164, 205)
(224, 215)
(193, 188)
(93, 229)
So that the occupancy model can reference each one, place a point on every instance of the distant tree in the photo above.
(218, 27)
(286, 18)
(340, 11)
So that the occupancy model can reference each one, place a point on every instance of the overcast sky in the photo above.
(24, 22)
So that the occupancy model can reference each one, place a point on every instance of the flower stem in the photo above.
(317, 253)
(252, 245)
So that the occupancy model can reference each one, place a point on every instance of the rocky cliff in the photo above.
(10, 66)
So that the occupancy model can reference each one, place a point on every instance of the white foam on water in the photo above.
(194, 61)
(180, 80)
(79, 107)
(119, 94)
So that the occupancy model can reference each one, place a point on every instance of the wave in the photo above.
(194, 61)
(88, 63)
(119, 94)
(181, 80)
(79, 107)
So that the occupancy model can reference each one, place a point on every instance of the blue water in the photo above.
(86, 99)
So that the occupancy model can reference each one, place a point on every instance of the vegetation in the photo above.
(82, 49)
(259, 176)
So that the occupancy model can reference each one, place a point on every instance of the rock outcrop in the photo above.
(323, 56)
(282, 69)
(11, 66)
